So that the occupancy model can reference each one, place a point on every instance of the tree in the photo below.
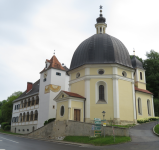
(7, 106)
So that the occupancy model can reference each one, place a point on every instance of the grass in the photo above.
(157, 129)
(97, 141)
(124, 126)
(8, 132)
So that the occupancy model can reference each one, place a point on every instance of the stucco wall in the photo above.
(78, 87)
(82, 73)
(144, 97)
(96, 109)
(127, 72)
(107, 70)
(125, 100)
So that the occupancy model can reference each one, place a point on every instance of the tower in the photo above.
(53, 79)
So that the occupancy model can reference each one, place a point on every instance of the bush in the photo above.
(144, 120)
(4, 124)
(51, 119)
(7, 127)
(46, 122)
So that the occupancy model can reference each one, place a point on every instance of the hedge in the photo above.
(7, 127)
(144, 120)
(3, 124)
(48, 121)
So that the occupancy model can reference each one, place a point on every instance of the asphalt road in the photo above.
(142, 139)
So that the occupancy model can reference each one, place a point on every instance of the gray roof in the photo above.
(136, 63)
(101, 49)
(34, 90)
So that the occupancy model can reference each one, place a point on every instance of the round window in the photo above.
(124, 74)
(62, 111)
(77, 75)
(101, 71)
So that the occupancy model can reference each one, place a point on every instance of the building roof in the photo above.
(73, 94)
(136, 63)
(54, 63)
(142, 90)
(34, 90)
(101, 49)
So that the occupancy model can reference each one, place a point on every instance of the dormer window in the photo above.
(46, 66)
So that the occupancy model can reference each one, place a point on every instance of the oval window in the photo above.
(101, 71)
(124, 74)
(62, 110)
(77, 75)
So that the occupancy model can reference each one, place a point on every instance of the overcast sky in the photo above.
(30, 31)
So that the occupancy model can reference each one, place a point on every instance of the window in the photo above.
(44, 79)
(23, 117)
(37, 100)
(148, 107)
(28, 102)
(32, 101)
(27, 129)
(25, 103)
(46, 65)
(62, 111)
(139, 106)
(140, 75)
(100, 30)
(36, 115)
(27, 116)
(58, 73)
(17, 119)
(101, 71)
(31, 116)
(101, 93)
(15, 107)
(53, 107)
(22, 103)
(78, 75)
(62, 96)
(20, 117)
(124, 74)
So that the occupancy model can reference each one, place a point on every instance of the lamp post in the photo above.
(103, 120)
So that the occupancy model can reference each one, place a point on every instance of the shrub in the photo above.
(46, 122)
(51, 119)
(4, 124)
(144, 120)
(7, 127)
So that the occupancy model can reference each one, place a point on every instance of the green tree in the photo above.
(7, 106)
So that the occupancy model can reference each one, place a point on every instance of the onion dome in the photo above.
(136, 63)
(101, 19)
(101, 49)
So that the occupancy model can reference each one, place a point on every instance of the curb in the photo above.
(154, 130)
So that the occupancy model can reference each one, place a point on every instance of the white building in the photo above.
(36, 104)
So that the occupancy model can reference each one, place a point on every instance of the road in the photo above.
(142, 139)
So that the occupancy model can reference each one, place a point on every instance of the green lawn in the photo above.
(97, 141)
(157, 129)
(8, 132)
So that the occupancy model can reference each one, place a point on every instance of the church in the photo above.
(101, 77)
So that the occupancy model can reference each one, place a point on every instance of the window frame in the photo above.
(139, 106)
(63, 110)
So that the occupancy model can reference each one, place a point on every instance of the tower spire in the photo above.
(101, 25)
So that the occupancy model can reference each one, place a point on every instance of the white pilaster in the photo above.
(87, 96)
(144, 77)
(153, 113)
(134, 100)
(70, 84)
(69, 107)
(115, 94)
(137, 75)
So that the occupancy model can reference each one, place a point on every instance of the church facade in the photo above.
(101, 77)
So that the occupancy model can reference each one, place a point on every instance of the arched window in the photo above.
(100, 30)
(20, 117)
(148, 107)
(101, 93)
(15, 107)
(28, 102)
(37, 100)
(36, 115)
(31, 116)
(24, 117)
(27, 116)
(33, 129)
(25, 103)
(139, 106)
(62, 111)
(140, 75)
(17, 119)
(32, 101)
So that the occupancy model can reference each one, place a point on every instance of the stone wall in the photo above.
(57, 129)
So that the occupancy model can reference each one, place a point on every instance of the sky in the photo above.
(30, 31)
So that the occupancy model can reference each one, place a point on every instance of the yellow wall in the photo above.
(144, 97)
(82, 73)
(121, 70)
(77, 105)
(143, 79)
(59, 104)
(125, 100)
(140, 85)
(96, 109)
(78, 87)
(107, 70)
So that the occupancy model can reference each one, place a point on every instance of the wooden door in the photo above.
(77, 114)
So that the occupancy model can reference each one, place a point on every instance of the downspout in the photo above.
(84, 110)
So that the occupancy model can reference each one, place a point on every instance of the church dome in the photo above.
(101, 49)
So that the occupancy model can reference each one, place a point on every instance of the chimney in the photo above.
(29, 86)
